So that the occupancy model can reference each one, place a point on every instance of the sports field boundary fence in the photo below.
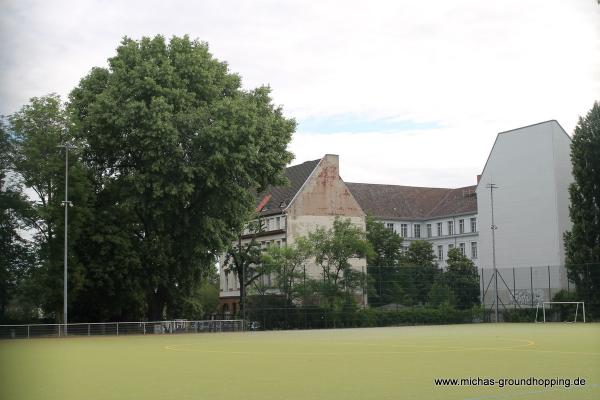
(29, 331)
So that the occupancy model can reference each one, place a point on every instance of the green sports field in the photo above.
(375, 363)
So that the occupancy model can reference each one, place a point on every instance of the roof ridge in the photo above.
(403, 186)
(282, 195)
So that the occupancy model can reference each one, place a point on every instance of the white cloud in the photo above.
(442, 157)
(475, 68)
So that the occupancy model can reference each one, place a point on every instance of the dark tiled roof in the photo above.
(409, 202)
(281, 196)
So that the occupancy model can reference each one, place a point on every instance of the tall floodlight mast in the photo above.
(66, 203)
(493, 227)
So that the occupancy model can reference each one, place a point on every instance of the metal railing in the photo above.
(28, 331)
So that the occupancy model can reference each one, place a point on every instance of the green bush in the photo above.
(519, 315)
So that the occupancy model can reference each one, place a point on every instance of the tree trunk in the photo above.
(156, 305)
(242, 294)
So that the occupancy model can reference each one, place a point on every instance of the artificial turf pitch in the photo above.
(373, 363)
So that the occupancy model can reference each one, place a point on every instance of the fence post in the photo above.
(514, 287)
(380, 303)
(482, 288)
(27, 331)
(144, 327)
(363, 284)
(89, 329)
(304, 293)
(549, 289)
(587, 277)
(531, 282)
(117, 329)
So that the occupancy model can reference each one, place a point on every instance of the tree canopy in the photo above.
(333, 249)
(582, 243)
(177, 146)
(16, 256)
(38, 129)
(386, 244)
(170, 150)
(462, 278)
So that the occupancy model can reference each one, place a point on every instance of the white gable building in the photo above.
(531, 167)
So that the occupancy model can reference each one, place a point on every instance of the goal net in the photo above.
(560, 311)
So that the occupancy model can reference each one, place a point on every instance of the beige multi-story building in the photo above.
(530, 168)
(315, 197)
(445, 217)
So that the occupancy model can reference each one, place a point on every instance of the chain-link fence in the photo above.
(28, 331)
(378, 296)
(503, 289)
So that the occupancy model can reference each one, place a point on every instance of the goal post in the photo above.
(579, 309)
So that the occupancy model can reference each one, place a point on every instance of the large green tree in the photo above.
(383, 262)
(333, 250)
(386, 244)
(16, 255)
(244, 260)
(582, 243)
(38, 129)
(288, 265)
(462, 278)
(421, 270)
(174, 140)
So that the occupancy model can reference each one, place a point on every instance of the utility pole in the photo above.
(493, 186)
(66, 203)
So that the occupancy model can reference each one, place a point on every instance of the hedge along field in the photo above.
(369, 363)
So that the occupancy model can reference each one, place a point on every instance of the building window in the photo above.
(417, 229)
(428, 230)
(282, 222)
(461, 226)
(461, 246)
(440, 253)
(390, 226)
(474, 250)
(450, 227)
(278, 223)
(439, 228)
(404, 230)
(473, 224)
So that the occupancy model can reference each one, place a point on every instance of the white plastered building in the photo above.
(531, 170)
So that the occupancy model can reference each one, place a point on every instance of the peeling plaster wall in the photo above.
(324, 197)
(325, 193)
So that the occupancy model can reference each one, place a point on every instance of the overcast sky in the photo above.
(406, 92)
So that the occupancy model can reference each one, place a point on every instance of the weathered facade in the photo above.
(531, 167)
(314, 198)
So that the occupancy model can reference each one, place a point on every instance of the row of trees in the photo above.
(413, 277)
(280, 272)
(277, 278)
(168, 151)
